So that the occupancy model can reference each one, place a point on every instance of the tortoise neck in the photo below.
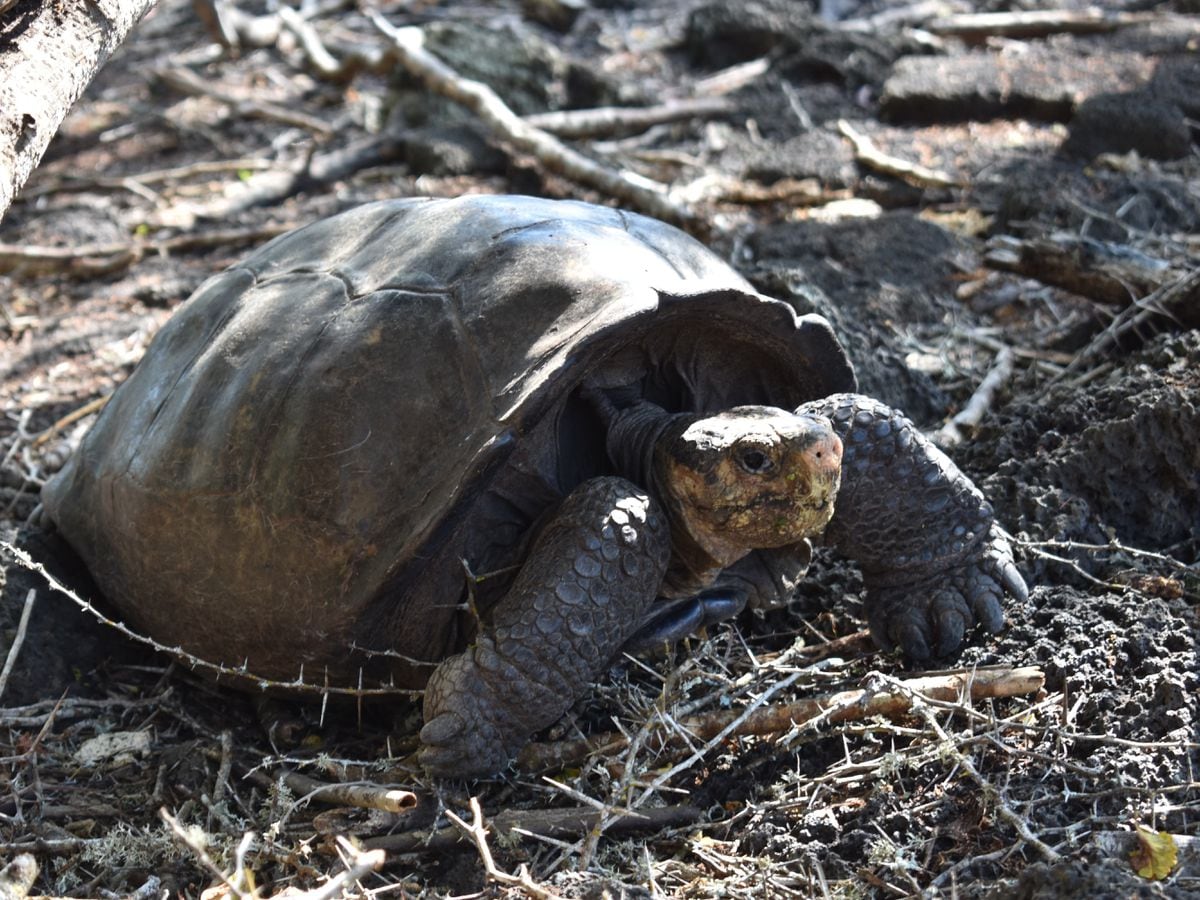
(635, 434)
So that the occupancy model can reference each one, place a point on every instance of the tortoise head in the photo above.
(750, 477)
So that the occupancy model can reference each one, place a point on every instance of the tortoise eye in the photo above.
(755, 462)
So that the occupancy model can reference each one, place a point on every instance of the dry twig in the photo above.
(976, 408)
(188, 82)
(1006, 812)
(92, 406)
(608, 120)
(361, 795)
(478, 833)
(565, 823)
(843, 706)
(640, 193)
(871, 156)
(1168, 303)
(91, 260)
(1034, 23)
(14, 649)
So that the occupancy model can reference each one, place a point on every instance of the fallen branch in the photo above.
(794, 192)
(478, 833)
(14, 649)
(1102, 271)
(1034, 23)
(969, 417)
(1175, 303)
(92, 260)
(565, 824)
(825, 709)
(871, 156)
(609, 120)
(70, 182)
(361, 795)
(275, 185)
(52, 52)
(188, 82)
(640, 193)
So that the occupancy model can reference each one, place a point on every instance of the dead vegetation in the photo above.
(1014, 267)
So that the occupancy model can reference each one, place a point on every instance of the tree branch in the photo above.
(57, 50)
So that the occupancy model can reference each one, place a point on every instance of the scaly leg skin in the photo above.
(934, 562)
(580, 595)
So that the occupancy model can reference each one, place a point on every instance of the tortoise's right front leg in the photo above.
(580, 595)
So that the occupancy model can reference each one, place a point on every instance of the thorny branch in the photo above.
(242, 675)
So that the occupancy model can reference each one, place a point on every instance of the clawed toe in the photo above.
(442, 730)
(449, 750)
(951, 619)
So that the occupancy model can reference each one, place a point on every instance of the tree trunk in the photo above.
(50, 50)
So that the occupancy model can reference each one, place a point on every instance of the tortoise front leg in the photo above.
(580, 595)
(934, 561)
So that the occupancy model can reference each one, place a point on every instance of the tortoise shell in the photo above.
(323, 433)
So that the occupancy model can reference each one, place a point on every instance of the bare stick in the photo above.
(181, 834)
(90, 260)
(478, 833)
(71, 418)
(607, 120)
(871, 156)
(70, 181)
(361, 795)
(565, 823)
(972, 414)
(188, 82)
(1034, 23)
(358, 863)
(843, 706)
(641, 193)
(1177, 298)
(1103, 271)
(15, 648)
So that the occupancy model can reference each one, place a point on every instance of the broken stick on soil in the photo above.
(828, 709)
(478, 833)
(871, 156)
(972, 414)
(14, 648)
(359, 795)
(641, 193)
(563, 823)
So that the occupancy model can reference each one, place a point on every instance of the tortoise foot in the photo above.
(931, 616)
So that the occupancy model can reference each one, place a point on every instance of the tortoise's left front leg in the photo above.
(934, 561)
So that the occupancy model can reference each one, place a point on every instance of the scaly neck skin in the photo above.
(634, 435)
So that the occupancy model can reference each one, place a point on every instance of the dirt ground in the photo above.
(1029, 207)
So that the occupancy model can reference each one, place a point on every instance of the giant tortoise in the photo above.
(585, 408)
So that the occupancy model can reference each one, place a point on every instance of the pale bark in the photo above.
(57, 50)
